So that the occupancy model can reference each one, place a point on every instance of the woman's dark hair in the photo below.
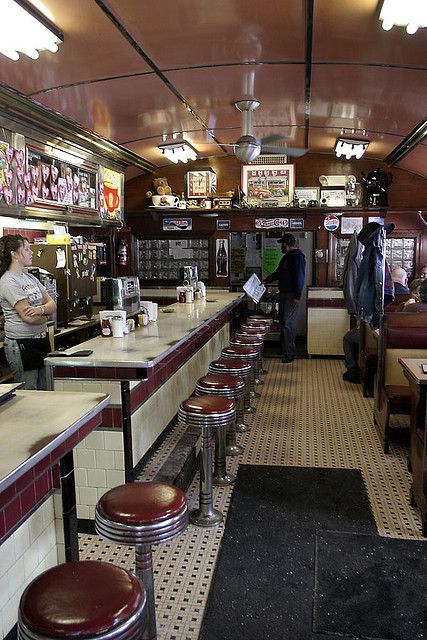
(7, 245)
(423, 291)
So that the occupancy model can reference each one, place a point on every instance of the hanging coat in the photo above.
(352, 261)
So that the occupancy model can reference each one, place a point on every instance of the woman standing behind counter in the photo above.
(26, 306)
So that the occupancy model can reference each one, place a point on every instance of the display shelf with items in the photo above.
(400, 252)
(163, 259)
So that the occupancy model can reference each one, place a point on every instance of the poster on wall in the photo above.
(221, 262)
(268, 185)
(112, 192)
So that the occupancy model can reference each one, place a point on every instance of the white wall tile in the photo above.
(80, 476)
(96, 478)
(114, 478)
(119, 460)
(22, 540)
(105, 459)
(3, 590)
(85, 458)
(88, 495)
(15, 578)
(7, 555)
(94, 440)
(113, 440)
(82, 511)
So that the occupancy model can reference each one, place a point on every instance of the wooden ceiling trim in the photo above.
(309, 11)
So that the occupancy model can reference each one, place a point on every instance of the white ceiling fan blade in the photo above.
(286, 151)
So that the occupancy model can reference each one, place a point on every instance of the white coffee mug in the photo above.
(165, 201)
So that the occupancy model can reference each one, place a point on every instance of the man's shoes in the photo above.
(288, 360)
(352, 375)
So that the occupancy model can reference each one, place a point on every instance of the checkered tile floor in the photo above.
(306, 416)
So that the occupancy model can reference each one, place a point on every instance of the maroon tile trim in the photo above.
(317, 303)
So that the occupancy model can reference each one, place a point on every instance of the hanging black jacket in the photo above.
(290, 273)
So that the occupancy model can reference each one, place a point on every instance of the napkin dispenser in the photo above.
(108, 314)
(150, 308)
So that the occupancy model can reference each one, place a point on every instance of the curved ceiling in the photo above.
(135, 71)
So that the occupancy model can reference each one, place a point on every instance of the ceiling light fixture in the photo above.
(411, 14)
(26, 30)
(350, 148)
(178, 151)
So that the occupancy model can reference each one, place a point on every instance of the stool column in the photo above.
(206, 515)
(144, 571)
(220, 476)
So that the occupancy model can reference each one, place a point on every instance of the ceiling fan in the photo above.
(247, 148)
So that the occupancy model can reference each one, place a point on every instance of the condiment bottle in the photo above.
(181, 296)
(106, 328)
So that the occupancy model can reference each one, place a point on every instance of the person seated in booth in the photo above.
(414, 294)
(400, 279)
(421, 306)
(423, 272)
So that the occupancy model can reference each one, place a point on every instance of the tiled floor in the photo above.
(306, 416)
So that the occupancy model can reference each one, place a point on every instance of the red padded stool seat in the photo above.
(241, 369)
(250, 354)
(207, 412)
(87, 599)
(142, 514)
(225, 439)
(245, 340)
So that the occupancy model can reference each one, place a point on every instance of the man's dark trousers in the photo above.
(288, 324)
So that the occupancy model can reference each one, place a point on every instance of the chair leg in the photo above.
(144, 571)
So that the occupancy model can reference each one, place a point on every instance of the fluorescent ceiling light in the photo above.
(178, 151)
(26, 30)
(411, 14)
(350, 148)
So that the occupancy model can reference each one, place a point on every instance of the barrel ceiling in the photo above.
(135, 72)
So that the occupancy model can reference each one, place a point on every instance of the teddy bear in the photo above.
(160, 187)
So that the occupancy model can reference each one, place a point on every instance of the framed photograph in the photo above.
(332, 197)
(348, 225)
(304, 194)
(268, 185)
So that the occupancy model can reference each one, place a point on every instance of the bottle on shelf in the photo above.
(122, 252)
(182, 204)
(221, 260)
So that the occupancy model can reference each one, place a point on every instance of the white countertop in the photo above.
(145, 346)
(34, 423)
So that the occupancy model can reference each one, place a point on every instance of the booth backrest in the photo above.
(402, 335)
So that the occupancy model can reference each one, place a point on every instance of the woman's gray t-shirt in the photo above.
(13, 288)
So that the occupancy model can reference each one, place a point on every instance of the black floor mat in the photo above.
(370, 587)
(264, 580)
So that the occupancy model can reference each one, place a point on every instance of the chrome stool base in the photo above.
(224, 481)
(211, 519)
(242, 427)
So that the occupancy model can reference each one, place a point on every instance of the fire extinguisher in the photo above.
(122, 253)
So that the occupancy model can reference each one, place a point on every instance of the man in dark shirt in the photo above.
(400, 279)
(291, 274)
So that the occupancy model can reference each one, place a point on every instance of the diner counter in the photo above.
(146, 346)
(36, 423)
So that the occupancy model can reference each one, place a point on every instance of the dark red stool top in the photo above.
(220, 381)
(142, 503)
(80, 599)
(241, 351)
(206, 405)
(229, 365)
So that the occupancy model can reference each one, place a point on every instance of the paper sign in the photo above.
(254, 288)
(60, 258)
(271, 259)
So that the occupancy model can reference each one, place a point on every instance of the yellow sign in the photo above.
(238, 260)
(112, 194)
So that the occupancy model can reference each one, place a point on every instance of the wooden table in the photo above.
(418, 458)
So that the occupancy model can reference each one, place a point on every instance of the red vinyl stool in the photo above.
(247, 354)
(86, 600)
(140, 514)
(207, 412)
(251, 341)
(225, 439)
(259, 320)
(242, 370)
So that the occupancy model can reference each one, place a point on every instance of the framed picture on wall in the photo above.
(268, 185)
(332, 197)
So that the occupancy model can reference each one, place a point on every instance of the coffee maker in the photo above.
(190, 276)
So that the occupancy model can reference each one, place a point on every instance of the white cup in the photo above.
(117, 326)
(165, 201)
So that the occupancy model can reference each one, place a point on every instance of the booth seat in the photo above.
(402, 335)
